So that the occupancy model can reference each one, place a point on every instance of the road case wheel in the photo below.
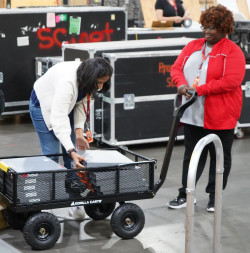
(99, 211)
(127, 221)
(240, 134)
(41, 231)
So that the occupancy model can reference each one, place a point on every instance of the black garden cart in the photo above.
(35, 183)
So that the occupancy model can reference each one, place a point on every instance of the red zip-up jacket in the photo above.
(222, 90)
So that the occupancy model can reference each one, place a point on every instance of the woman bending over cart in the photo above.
(60, 107)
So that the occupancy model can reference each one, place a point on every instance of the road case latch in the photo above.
(129, 102)
(247, 90)
(98, 114)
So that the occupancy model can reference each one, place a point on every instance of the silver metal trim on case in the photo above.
(139, 98)
(142, 54)
(15, 112)
(114, 142)
(10, 104)
(61, 9)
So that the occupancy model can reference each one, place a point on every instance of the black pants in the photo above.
(192, 135)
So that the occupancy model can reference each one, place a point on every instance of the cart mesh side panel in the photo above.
(67, 185)
(126, 179)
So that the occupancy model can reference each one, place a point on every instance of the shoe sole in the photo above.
(180, 206)
(210, 210)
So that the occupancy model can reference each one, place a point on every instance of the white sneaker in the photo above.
(77, 212)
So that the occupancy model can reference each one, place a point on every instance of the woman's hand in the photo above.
(188, 96)
(178, 19)
(182, 90)
(81, 142)
(77, 159)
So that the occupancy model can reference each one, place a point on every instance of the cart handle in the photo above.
(178, 112)
(180, 108)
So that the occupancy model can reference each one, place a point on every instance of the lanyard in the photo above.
(88, 110)
(89, 135)
(175, 7)
(204, 57)
(197, 80)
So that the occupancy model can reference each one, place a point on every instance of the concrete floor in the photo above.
(164, 230)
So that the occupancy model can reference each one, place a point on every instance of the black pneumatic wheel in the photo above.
(41, 231)
(127, 221)
(99, 211)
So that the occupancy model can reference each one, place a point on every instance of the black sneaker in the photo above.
(210, 205)
(178, 203)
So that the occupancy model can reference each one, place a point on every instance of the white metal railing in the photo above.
(218, 191)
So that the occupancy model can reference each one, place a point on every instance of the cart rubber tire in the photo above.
(127, 221)
(99, 211)
(41, 231)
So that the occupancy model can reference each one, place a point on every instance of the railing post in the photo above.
(218, 191)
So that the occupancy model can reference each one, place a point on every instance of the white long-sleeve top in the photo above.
(57, 92)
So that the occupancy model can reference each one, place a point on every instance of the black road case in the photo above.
(90, 50)
(139, 106)
(27, 33)
(244, 120)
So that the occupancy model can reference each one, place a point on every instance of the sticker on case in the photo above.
(74, 25)
(61, 18)
(23, 41)
(51, 20)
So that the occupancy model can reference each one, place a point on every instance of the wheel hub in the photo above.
(128, 221)
(42, 231)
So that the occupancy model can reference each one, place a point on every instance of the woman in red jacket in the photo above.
(213, 66)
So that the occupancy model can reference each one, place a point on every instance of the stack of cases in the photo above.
(133, 61)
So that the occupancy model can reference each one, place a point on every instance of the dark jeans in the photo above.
(48, 141)
(192, 135)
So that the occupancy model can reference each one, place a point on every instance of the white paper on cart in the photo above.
(103, 158)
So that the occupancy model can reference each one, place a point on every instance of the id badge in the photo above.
(89, 136)
(196, 81)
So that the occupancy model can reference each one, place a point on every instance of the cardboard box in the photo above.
(28, 3)
(3, 223)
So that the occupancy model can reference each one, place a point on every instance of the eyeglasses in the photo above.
(207, 28)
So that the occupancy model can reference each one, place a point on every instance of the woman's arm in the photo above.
(160, 17)
(79, 120)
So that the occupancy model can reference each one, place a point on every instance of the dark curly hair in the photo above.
(89, 71)
(218, 17)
